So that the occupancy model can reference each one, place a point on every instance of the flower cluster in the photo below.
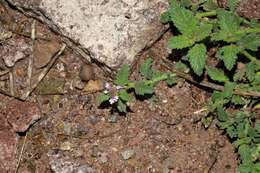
(109, 88)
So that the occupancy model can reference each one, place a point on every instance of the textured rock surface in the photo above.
(113, 32)
(8, 142)
(21, 115)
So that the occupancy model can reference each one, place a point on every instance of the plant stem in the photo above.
(149, 82)
(206, 14)
(250, 57)
(248, 30)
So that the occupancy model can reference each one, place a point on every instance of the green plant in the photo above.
(120, 93)
(203, 25)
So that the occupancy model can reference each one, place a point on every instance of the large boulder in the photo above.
(112, 32)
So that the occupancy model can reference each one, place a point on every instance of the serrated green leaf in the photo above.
(229, 55)
(180, 42)
(197, 58)
(254, 23)
(146, 69)
(217, 75)
(122, 76)
(121, 106)
(103, 98)
(237, 100)
(183, 19)
(124, 95)
(171, 80)
(203, 31)
(156, 74)
(210, 5)
(165, 17)
(222, 115)
(250, 71)
(228, 89)
(232, 4)
(228, 21)
(181, 66)
(250, 41)
(142, 89)
(239, 75)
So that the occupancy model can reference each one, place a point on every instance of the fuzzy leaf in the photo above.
(229, 55)
(123, 95)
(121, 106)
(141, 89)
(103, 98)
(217, 75)
(222, 115)
(146, 69)
(165, 17)
(250, 41)
(180, 42)
(228, 89)
(171, 80)
(232, 4)
(197, 58)
(202, 31)
(237, 100)
(250, 71)
(210, 5)
(122, 76)
(228, 21)
(183, 19)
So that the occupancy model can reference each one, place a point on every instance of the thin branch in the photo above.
(170, 67)
(21, 154)
(11, 82)
(31, 58)
(43, 73)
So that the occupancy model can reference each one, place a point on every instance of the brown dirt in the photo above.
(164, 131)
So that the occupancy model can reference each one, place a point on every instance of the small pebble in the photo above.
(86, 72)
(128, 154)
(93, 119)
(66, 146)
(112, 118)
(103, 158)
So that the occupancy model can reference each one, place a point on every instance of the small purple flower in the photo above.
(107, 86)
(118, 87)
(113, 100)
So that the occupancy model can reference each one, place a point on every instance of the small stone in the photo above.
(86, 72)
(85, 169)
(112, 118)
(94, 86)
(66, 146)
(44, 51)
(93, 119)
(128, 154)
(103, 158)
(78, 84)
(21, 115)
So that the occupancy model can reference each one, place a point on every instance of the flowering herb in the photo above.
(119, 94)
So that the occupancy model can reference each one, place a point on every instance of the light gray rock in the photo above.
(113, 32)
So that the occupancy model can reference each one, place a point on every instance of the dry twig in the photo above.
(43, 73)
(167, 64)
(21, 154)
(31, 58)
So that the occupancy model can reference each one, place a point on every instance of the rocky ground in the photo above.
(60, 128)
